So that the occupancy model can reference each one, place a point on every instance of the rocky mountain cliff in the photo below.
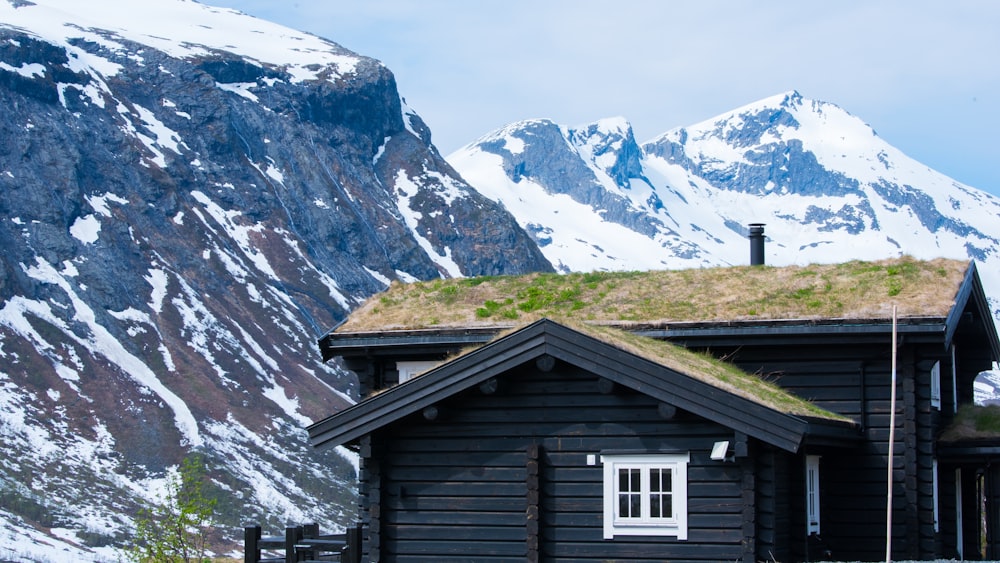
(827, 186)
(189, 197)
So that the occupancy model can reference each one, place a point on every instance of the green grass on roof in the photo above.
(699, 365)
(973, 422)
(708, 369)
(852, 290)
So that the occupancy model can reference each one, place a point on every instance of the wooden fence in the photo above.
(302, 544)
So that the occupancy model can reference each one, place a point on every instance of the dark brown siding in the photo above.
(457, 487)
(777, 525)
(855, 381)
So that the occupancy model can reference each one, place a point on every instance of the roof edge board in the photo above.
(785, 430)
(409, 397)
(694, 399)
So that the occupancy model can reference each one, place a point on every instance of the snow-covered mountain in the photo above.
(825, 184)
(987, 388)
(189, 198)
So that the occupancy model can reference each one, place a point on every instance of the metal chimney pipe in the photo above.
(756, 244)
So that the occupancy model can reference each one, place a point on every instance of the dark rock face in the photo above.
(828, 188)
(783, 167)
(565, 163)
(175, 237)
(619, 144)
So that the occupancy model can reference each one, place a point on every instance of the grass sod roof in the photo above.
(698, 365)
(851, 290)
(705, 368)
(973, 422)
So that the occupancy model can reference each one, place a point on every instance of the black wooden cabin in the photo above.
(565, 441)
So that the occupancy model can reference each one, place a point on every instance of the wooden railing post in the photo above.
(352, 551)
(303, 543)
(309, 531)
(292, 536)
(251, 544)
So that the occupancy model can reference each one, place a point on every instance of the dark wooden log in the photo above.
(251, 551)
(606, 386)
(374, 546)
(545, 363)
(292, 536)
(352, 551)
(740, 446)
(749, 495)
(431, 413)
(666, 411)
(907, 375)
(533, 514)
(489, 387)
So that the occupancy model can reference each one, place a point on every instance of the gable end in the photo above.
(548, 338)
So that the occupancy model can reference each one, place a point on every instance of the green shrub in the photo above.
(176, 529)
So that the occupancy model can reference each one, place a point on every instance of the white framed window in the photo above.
(645, 495)
(409, 370)
(959, 516)
(936, 385)
(812, 494)
(954, 381)
(934, 494)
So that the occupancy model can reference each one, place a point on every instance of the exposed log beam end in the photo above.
(666, 411)
(545, 363)
(606, 386)
(489, 387)
(741, 446)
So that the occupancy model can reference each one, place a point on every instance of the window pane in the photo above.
(661, 505)
(629, 493)
(628, 480)
(660, 480)
(629, 505)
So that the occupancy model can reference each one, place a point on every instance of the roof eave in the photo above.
(969, 450)
(804, 327)
(409, 397)
(824, 433)
(972, 294)
(354, 343)
(782, 429)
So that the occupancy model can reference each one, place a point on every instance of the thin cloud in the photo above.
(921, 73)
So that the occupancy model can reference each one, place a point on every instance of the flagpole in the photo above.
(892, 443)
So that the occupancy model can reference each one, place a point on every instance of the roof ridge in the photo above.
(850, 292)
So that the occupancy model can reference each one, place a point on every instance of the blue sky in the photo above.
(924, 75)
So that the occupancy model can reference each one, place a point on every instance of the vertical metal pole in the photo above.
(892, 443)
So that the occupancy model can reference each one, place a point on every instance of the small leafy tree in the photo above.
(176, 530)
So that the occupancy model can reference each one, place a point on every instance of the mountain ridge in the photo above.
(188, 201)
(822, 180)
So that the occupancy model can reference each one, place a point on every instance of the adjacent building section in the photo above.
(704, 430)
